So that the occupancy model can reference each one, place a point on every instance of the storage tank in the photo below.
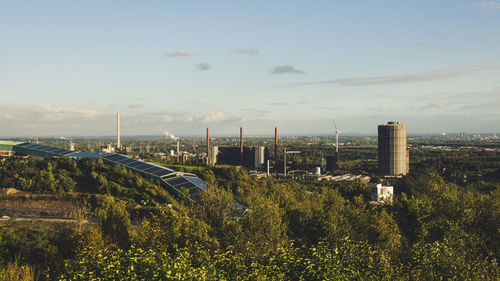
(393, 156)
(259, 157)
(318, 170)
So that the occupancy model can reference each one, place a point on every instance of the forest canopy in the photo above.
(292, 230)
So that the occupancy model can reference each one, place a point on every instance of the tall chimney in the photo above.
(178, 150)
(276, 150)
(241, 146)
(208, 148)
(118, 130)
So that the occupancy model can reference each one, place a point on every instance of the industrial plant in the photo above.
(393, 156)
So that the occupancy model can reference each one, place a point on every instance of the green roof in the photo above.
(10, 142)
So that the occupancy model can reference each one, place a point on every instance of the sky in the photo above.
(67, 67)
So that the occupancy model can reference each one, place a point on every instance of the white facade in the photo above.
(212, 156)
(259, 156)
(382, 193)
(318, 170)
(107, 149)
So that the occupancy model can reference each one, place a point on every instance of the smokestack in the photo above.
(276, 150)
(208, 147)
(178, 149)
(118, 130)
(241, 146)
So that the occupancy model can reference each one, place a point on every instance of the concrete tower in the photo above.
(393, 157)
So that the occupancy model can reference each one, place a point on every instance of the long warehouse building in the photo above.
(173, 181)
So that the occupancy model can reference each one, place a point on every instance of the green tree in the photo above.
(263, 226)
(114, 220)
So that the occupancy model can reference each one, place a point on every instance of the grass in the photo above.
(34, 202)
(15, 272)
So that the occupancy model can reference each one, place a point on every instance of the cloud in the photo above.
(203, 66)
(459, 103)
(485, 107)
(391, 96)
(181, 53)
(48, 119)
(439, 105)
(462, 115)
(256, 111)
(330, 108)
(198, 102)
(181, 117)
(249, 52)
(487, 5)
(135, 106)
(215, 117)
(167, 116)
(254, 119)
(50, 113)
(282, 69)
(287, 103)
(440, 74)
(465, 96)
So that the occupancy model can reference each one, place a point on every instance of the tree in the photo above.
(263, 226)
(114, 220)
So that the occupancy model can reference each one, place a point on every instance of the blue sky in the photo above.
(67, 67)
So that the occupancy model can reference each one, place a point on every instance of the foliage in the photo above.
(15, 272)
(114, 220)
(88, 175)
(169, 230)
(42, 247)
(291, 230)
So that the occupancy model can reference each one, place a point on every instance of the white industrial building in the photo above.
(381, 193)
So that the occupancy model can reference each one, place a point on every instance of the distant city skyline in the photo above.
(66, 68)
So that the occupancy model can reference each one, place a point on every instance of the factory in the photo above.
(248, 157)
(6, 148)
(252, 157)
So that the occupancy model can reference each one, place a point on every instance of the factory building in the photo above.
(393, 156)
(185, 186)
(253, 157)
(213, 152)
(260, 156)
(331, 162)
(381, 193)
(6, 148)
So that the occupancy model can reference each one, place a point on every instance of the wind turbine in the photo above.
(337, 131)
